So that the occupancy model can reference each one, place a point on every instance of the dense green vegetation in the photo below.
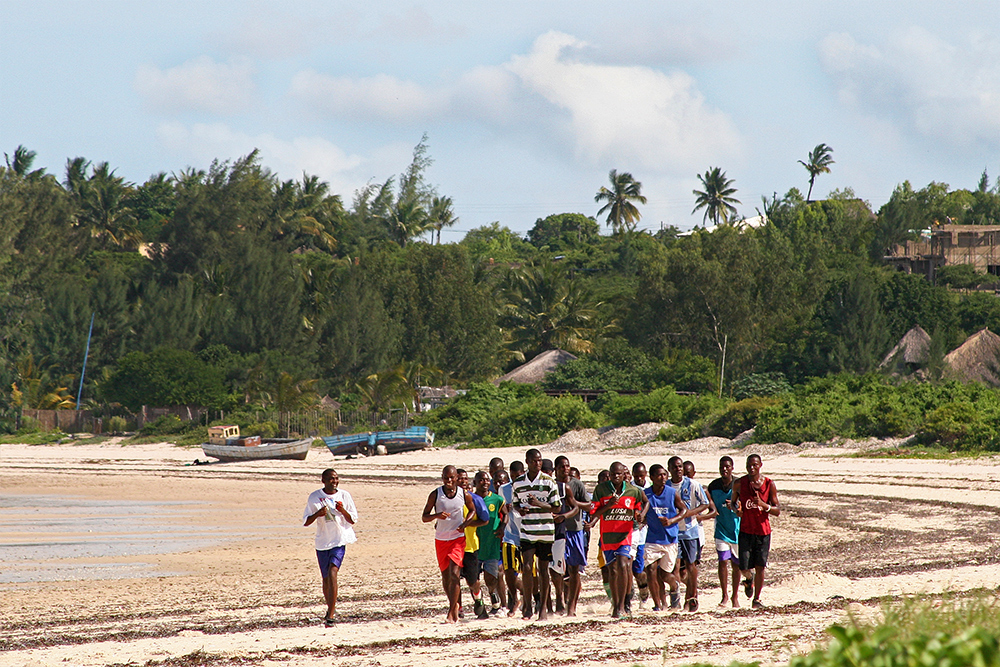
(233, 289)
(954, 632)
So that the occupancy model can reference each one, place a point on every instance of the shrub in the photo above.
(116, 424)
(760, 384)
(266, 429)
(165, 425)
(740, 416)
(659, 405)
(534, 422)
(460, 418)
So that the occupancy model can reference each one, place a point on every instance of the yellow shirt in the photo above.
(471, 538)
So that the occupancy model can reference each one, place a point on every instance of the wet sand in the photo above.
(126, 555)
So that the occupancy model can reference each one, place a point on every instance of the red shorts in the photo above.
(450, 551)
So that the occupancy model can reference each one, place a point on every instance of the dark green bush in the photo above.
(760, 384)
(659, 405)
(166, 425)
(463, 415)
(534, 422)
(740, 416)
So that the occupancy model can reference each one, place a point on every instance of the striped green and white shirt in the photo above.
(537, 524)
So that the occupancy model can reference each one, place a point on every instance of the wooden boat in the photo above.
(225, 444)
(380, 442)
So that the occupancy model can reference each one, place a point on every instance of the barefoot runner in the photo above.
(727, 530)
(756, 501)
(617, 503)
(332, 510)
(444, 506)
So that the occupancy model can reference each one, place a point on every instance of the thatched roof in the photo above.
(976, 360)
(535, 370)
(912, 349)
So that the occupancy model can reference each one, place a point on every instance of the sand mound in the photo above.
(616, 438)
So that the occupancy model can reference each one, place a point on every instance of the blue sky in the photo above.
(527, 105)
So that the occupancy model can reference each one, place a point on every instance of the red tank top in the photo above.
(755, 521)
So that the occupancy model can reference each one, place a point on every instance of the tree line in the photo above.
(230, 287)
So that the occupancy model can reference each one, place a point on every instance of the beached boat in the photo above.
(370, 443)
(224, 443)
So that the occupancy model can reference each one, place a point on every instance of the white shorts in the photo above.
(665, 553)
(722, 546)
(558, 564)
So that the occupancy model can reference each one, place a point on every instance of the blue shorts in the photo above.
(576, 550)
(611, 554)
(639, 562)
(689, 551)
(330, 558)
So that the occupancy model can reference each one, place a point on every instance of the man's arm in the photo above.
(735, 501)
(772, 507)
(315, 515)
(713, 511)
(347, 508)
(429, 509)
(681, 510)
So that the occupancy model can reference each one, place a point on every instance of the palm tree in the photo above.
(542, 309)
(716, 197)
(622, 213)
(441, 215)
(820, 159)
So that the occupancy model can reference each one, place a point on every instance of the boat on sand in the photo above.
(224, 443)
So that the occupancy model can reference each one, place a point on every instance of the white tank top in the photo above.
(448, 529)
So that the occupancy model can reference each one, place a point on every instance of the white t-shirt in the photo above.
(339, 531)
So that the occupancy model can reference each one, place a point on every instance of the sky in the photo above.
(527, 106)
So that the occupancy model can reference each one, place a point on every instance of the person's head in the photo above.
(676, 468)
(754, 464)
(502, 478)
(574, 472)
(449, 478)
(548, 467)
(496, 465)
(533, 461)
(639, 473)
(330, 480)
(603, 476)
(481, 483)
(658, 477)
(562, 468)
(689, 470)
(726, 469)
(516, 469)
(463, 479)
(618, 472)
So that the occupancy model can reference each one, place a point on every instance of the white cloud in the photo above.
(935, 88)
(202, 143)
(381, 96)
(629, 116)
(626, 113)
(200, 84)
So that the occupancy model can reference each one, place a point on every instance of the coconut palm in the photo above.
(820, 159)
(716, 197)
(542, 308)
(441, 215)
(622, 213)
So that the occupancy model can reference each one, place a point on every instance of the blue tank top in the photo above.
(661, 506)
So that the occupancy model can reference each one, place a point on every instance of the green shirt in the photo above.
(489, 543)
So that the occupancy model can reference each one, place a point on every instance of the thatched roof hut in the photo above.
(911, 352)
(535, 370)
(975, 360)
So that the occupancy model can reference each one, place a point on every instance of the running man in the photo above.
(756, 501)
(332, 510)
(727, 530)
(511, 540)
(490, 540)
(689, 548)
(496, 467)
(471, 568)
(616, 504)
(666, 510)
(639, 543)
(444, 506)
(574, 501)
(536, 497)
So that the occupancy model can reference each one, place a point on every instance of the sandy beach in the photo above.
(128, 555)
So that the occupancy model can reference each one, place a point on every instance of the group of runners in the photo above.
(527, 533)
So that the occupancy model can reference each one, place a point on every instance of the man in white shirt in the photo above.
(334, 513)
